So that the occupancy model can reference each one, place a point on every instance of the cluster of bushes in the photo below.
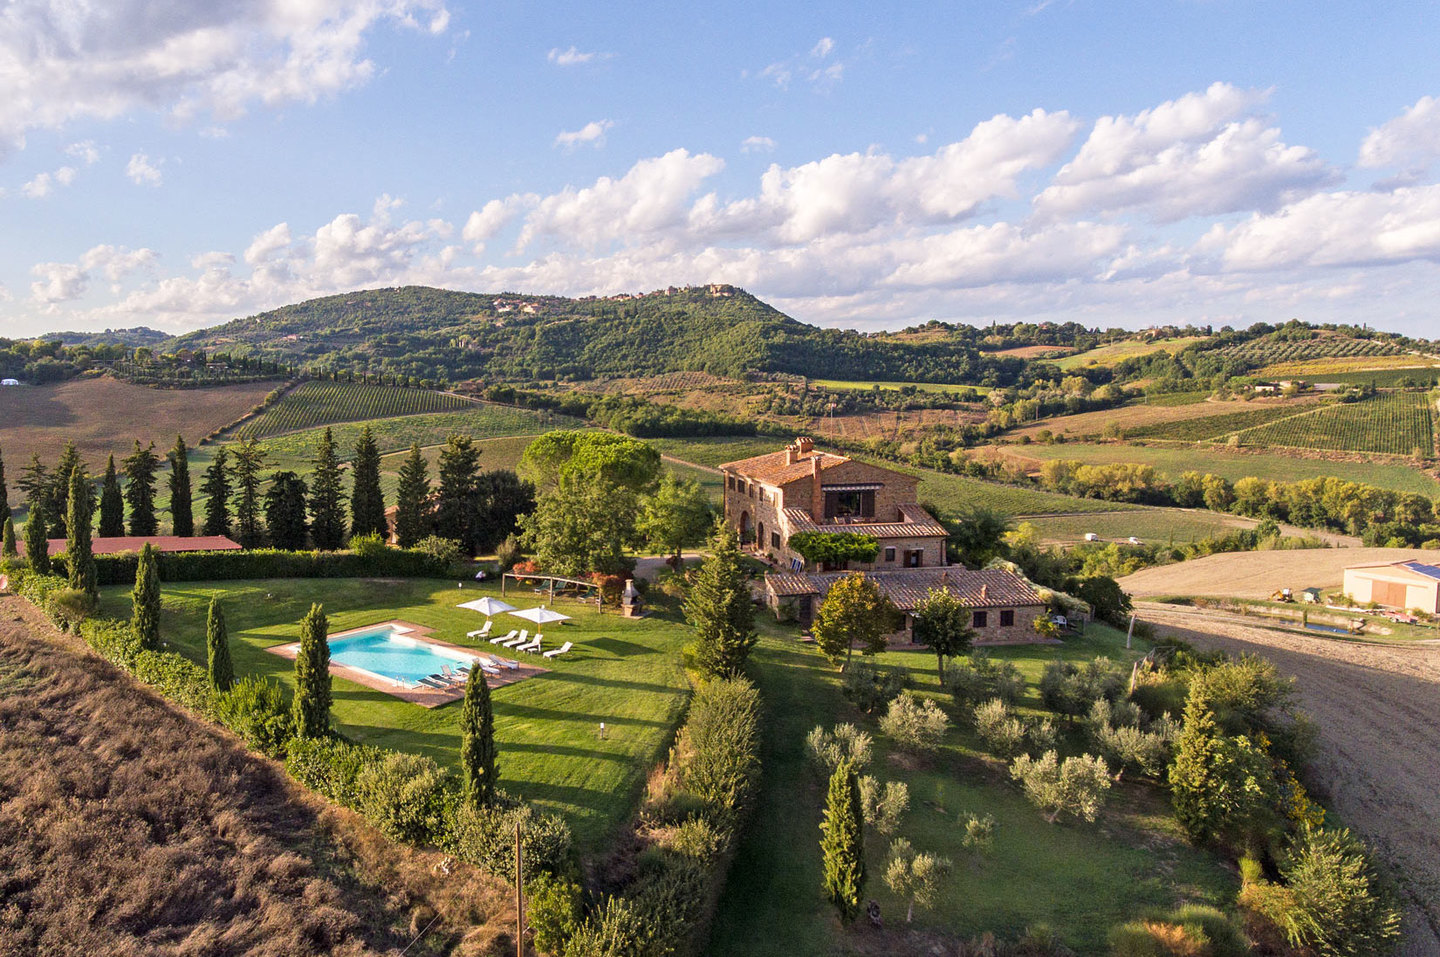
(275, 563)
(1382, 516)
(691, 816)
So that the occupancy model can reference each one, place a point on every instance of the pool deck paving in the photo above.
(423, 695)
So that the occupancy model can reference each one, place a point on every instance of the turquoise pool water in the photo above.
(382, 651)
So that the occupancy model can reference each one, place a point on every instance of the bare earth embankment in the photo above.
(127, 828)
(1378, 764)
(1259, 574)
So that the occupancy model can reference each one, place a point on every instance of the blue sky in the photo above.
(174, 164)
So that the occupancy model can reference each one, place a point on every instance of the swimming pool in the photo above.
(388, 652)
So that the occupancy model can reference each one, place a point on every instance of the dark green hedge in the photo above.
(269, 563)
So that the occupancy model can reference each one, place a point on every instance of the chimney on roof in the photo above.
(817, 494)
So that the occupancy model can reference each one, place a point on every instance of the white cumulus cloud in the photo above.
(142, 172)
(592, 133)
(1202, 154)
(66, 60)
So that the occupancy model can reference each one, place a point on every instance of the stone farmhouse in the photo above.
(769, 498)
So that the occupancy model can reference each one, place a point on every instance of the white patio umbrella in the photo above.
(487, 606)
(541, 615)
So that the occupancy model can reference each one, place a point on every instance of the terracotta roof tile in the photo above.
(771, 467)
(986, 588)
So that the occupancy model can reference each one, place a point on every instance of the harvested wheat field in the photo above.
(103, 415)
(1260, 574)
(128, 828)
(1378, 764)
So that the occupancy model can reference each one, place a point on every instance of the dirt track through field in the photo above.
(1379, 747)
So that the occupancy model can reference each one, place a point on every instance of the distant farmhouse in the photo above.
(771, 498)
(1406, 586)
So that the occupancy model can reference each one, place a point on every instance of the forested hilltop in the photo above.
(434, 333)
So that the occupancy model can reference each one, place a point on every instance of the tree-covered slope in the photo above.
(435, 333)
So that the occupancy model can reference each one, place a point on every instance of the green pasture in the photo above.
(1172, 461)
(1080, 879)
(1130, 348)
(626, 673)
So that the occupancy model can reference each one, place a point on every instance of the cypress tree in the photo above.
(311, 709)
(249, 459)
(477, 746)
(217, 645)
(327, 498)
(37, 539)
(140, 468)
(367, 501)
(842, 843)
(285, 511)
(59, 498)
(145, 620)
(412, 503)
(79, 552)
(217, 489)
(7, 547)
(720, 610)
(457, 501)
(112, 504)
(182, 513)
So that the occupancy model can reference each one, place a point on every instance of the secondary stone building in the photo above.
(1408, 586)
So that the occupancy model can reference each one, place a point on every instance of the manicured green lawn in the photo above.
(1080, 879)
(625, 673)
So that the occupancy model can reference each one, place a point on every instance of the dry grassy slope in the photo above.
(129, 828)
(1259, 574)
(103, 415)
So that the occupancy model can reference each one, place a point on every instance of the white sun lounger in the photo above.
(504, 638)
(557, 652)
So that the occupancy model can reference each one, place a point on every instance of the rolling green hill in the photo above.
(440, 334)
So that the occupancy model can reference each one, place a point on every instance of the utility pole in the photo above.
(519, 899)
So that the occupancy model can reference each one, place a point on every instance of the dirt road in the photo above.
(1379, 741)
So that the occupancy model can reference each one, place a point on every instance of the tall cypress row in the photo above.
(112, 504)
(311, 708)
(182, 514)
(477, 745)
(217, 487)
(37, 539)
(842, 843)
(327, 498)
(145, 620)
(140, 468)
(367, 501)
(412, 500)
(217, 647)
(79, 553)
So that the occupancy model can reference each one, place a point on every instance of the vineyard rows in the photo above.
(1210, 427)
(320, 403)
(1264, 352)
(1394, 423)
